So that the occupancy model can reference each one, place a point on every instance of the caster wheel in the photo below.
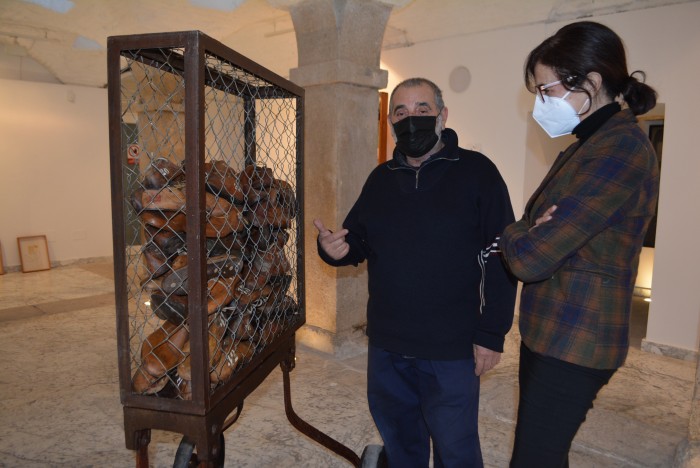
(186, 457)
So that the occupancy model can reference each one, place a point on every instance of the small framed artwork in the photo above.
(33, 253)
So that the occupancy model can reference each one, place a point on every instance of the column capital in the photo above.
(339, 71)
(347, 30)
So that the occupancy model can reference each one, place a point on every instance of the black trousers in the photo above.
(554, 398)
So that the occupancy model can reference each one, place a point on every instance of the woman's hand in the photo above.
(545, 217)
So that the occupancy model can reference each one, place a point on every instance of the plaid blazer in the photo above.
(578, 269)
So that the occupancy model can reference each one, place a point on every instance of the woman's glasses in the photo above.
(570, 82)
(542, 88)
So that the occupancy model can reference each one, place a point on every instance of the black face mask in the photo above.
(415, 135)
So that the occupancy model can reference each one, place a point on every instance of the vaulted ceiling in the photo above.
(69, 37)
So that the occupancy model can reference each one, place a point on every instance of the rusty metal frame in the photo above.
(207, 415)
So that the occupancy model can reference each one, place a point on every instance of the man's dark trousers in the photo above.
(414, 400)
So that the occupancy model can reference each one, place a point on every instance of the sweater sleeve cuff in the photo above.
(326, 258)
(489, 341)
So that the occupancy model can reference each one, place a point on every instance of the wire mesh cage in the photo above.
(206, 172)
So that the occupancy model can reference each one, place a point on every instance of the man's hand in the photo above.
(333, 243)
(485, 359)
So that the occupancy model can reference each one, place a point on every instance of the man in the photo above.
(436, 321)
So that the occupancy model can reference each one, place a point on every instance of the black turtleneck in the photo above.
(593, 122)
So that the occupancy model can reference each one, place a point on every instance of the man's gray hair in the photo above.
(412, 82)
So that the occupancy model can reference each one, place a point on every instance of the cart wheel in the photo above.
(373, 456)
(185, 457)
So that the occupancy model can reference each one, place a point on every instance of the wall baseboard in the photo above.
(668, 350)
(63, 263)
(82, 261)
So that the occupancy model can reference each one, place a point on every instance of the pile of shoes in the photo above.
(247, 215)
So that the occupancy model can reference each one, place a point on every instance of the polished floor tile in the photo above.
(60, 407)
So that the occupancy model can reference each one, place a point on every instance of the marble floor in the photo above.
(60, 407)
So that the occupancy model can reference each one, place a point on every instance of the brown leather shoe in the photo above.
(175, 282)
(268, 331)
(169, 242)
(145, 384)
(179, 262)
(165, 199)
(281, 193)
(264, 237)
(136, 200)
(277, 209)
(222, 226)
(152, 285)
(266, 214)
(216, 206)
(267, 263)
(171, 307)
(162, 172)
(220, 292)
(278, 302)
(233, 243)
(242, 325)
(245, 296)
(245, 350)
(172, 199)
(289, 307)
(255, 177)
(184, 369)
(156, 262)
(174, 221)
(226, 364)
(184, 388)
(226, 266)
(252, 326)
(222, 180)
(162, 349)
(217, 330)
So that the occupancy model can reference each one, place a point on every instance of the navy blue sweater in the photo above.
(421, 231)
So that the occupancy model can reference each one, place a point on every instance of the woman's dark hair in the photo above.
(580, 48)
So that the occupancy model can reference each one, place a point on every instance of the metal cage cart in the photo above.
(207, 174)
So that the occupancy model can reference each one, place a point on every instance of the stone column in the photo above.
(339, 45)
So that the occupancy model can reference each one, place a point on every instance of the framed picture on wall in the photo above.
(33, 253)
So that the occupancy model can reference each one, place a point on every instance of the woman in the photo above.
(576, 249)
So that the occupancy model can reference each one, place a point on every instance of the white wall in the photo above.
(484, 116)
(492, 115)
(54, 170)
(672, 57)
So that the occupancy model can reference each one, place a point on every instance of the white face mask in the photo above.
(555, 115)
